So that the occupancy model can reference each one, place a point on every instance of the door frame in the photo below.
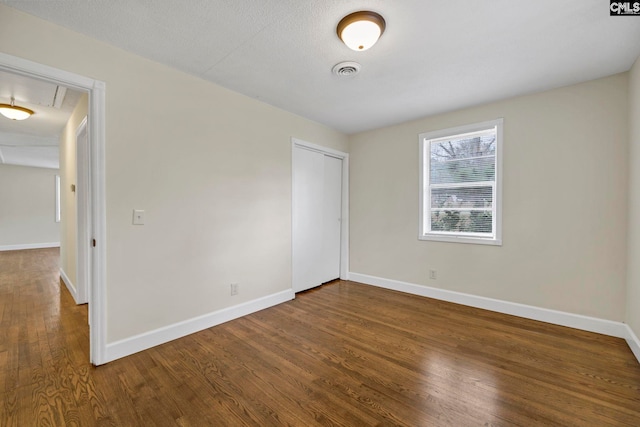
(344, 223)
(95, 211)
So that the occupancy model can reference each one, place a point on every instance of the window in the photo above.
(460, 190)
(57, 198)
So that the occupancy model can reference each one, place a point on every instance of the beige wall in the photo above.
(633, 260)
(68, 177)
(212, 169)
(564, 203)
(27, 206)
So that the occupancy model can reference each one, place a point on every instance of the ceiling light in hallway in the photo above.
(361, 30)
(13, 112)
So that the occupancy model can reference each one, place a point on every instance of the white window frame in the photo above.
(424, 232)
(58, 207)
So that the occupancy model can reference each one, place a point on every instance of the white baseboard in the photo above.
(140, 342)
(29, 246)
(576, 321)
(633, 341)
(70, 286)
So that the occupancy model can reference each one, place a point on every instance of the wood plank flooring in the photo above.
(344, 354)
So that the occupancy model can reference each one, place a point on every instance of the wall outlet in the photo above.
(234, 289)
(433, 274)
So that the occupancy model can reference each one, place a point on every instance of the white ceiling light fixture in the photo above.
(13, 112)
(361, 30)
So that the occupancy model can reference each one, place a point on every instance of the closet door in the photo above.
(331, 221)
(317, 197)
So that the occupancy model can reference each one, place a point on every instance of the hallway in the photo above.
(44, 339)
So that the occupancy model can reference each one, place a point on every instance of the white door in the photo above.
(317, 207)
(331, 225)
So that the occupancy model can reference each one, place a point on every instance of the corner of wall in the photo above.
(632, 314)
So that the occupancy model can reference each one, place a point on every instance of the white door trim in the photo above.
(96, 172)
(344, 237)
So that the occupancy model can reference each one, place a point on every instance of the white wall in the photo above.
(68, 177)
(27, 207)
(564, 205)
(633, 260)
(212, 169)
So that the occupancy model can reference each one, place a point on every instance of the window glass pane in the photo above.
(57, 213)
(462, 221)
(463, 198)
(463, 160)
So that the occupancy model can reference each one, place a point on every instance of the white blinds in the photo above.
(461, 188)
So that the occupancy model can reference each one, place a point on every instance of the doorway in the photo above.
(319, 215)
(93, 211)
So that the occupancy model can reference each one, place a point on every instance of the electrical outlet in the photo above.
(234, 289)
(433, 275)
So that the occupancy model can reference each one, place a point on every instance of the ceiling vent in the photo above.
(345, 69)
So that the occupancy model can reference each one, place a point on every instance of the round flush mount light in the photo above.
(346, 69)
(361, 30)
(13, 112)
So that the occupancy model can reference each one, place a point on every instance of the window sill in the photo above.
(460, 239)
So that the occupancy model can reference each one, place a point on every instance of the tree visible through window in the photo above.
(460, 186)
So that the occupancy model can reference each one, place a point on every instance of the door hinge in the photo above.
(93, 242)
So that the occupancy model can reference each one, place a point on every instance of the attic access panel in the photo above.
(27, 90)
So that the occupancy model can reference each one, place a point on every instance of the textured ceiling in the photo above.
(435, 55)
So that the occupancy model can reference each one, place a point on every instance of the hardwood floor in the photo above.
(343, 354)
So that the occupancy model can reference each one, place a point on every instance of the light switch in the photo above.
(138, 217)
